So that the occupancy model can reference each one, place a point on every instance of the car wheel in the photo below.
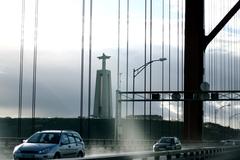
(57, 155)
(80, 154)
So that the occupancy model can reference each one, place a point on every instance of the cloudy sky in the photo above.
(59, 50)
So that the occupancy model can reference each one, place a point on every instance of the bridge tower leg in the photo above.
(193, 73)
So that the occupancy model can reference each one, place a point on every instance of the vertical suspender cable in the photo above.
(234, 71)
(208, 104)
(163, 29)
(235, 64)
(150, 104)
(21, 71)
(210, 51)
(118, 50)
(169, 60)
(118, 57)
(230, 63)
(225, 79)
(221, 74)
(207, 53)
(235, 51)
(216, 62)
(82, 65)
(178, 59)
(178, 56)
(90, 69)
(213, 72)
(145, 61)
(182, 33)
(127, 55)
(34, 66)
(237, 59)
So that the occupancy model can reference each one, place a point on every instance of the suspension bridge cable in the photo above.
(127, 57)
(183, 48)
(178, 65)
(169, 59)
(237, 57)
(178, 52)
(90, 68)
(230, 61)
(163, 48)
(215, 57)
(82, 65)
(21, 70)
(208, 105)
(145, 61)
(212, 61)
(118, 50)
(34, 86)
(235, 70)
(150, 52)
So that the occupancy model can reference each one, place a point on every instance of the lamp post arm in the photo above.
(141, 68)
(221, 108)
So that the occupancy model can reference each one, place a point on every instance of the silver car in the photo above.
(167, 143)
(50, 144)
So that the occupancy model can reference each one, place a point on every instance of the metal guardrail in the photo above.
(188, 154)
(199, 152)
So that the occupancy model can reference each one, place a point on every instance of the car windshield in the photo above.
(44, 138)
(165, 140)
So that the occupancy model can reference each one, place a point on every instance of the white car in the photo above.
(50, 144)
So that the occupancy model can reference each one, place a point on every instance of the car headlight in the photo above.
(16, 149)
(44, 151)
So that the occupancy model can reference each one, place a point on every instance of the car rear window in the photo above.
(166, 140)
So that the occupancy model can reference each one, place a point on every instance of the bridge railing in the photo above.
(200, 150)
(186, 154)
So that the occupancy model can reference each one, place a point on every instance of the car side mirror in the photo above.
(24, 140)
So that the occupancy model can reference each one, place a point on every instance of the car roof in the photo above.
(58, 131)
(168, 137)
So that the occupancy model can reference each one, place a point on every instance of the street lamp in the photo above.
(139, 70)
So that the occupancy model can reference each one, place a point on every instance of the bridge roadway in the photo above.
(228, 155)
(233, 154)
(6, 153)
(97, 151)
